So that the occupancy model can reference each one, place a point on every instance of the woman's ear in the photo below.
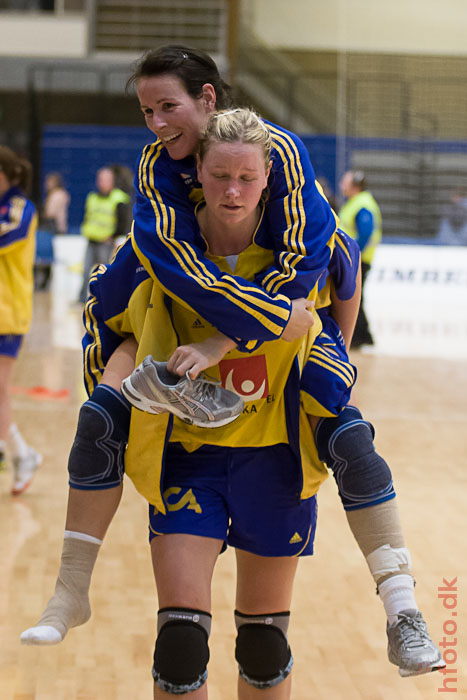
(268, 169)
(209, 97)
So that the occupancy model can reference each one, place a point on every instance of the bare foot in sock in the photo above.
(64, 610)
(69, 606)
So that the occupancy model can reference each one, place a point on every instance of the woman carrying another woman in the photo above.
(247, 484)
(177, 89)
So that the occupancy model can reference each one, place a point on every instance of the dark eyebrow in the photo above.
(163, 99)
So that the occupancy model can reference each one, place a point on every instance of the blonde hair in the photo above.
(236, 125)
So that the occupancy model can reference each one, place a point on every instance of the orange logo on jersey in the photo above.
(247, 376)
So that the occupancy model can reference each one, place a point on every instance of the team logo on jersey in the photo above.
(187, 178)
(247, 376)
(182, 499)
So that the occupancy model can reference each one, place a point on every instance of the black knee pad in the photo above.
(262, 650)
(182, 652)
(96, 458)
(345, 443)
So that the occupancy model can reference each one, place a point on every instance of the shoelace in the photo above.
(201, 388)
(413, 631)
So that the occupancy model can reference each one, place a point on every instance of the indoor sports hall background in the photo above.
(374, 86)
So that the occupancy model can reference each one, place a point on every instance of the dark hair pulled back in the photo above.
(192, 67)
(18, 171)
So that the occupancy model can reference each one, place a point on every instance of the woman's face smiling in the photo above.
(233, 176)
(172, 114)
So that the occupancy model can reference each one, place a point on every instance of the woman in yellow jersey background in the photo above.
(18, 224)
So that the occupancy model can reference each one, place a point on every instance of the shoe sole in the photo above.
(405, 673)
(142, 403)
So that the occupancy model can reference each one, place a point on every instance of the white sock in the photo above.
(81, 536)
(18, 446)
(69, 606)
(397, 594)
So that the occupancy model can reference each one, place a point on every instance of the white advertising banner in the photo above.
(416, 301)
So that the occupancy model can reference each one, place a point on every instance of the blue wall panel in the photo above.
(77, 152)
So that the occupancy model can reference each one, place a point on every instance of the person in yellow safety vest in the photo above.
(106, 216)
(360, 218)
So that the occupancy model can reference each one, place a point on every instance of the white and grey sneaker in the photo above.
(201, 401)
(410, 646)
(23, 470)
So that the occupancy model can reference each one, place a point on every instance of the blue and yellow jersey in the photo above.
(261, 377)
(268, 378)
(112, 290)
(18, 223)
(263, 316)
(329, 376)
(301, 227)
(342, 272)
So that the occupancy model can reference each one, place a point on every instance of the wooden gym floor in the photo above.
(337, 629)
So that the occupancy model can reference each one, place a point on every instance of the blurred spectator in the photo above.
(106, 217)
(360, 217)
(453, 226)
(123, 178)
(124, 181)
(54, 216)
(18, 222)
(53, 220)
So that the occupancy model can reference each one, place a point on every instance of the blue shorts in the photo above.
(247, 496)
(328, 376)
(10, 345)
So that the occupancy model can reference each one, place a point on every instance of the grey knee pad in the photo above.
(345, 443)
(182, 653)
(262, 650)
(96, 458)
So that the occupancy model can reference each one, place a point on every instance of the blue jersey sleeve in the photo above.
(16, 216)
(166, 239)
(110, 290)
(344, 265)
(364, 223)
(301, 222)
